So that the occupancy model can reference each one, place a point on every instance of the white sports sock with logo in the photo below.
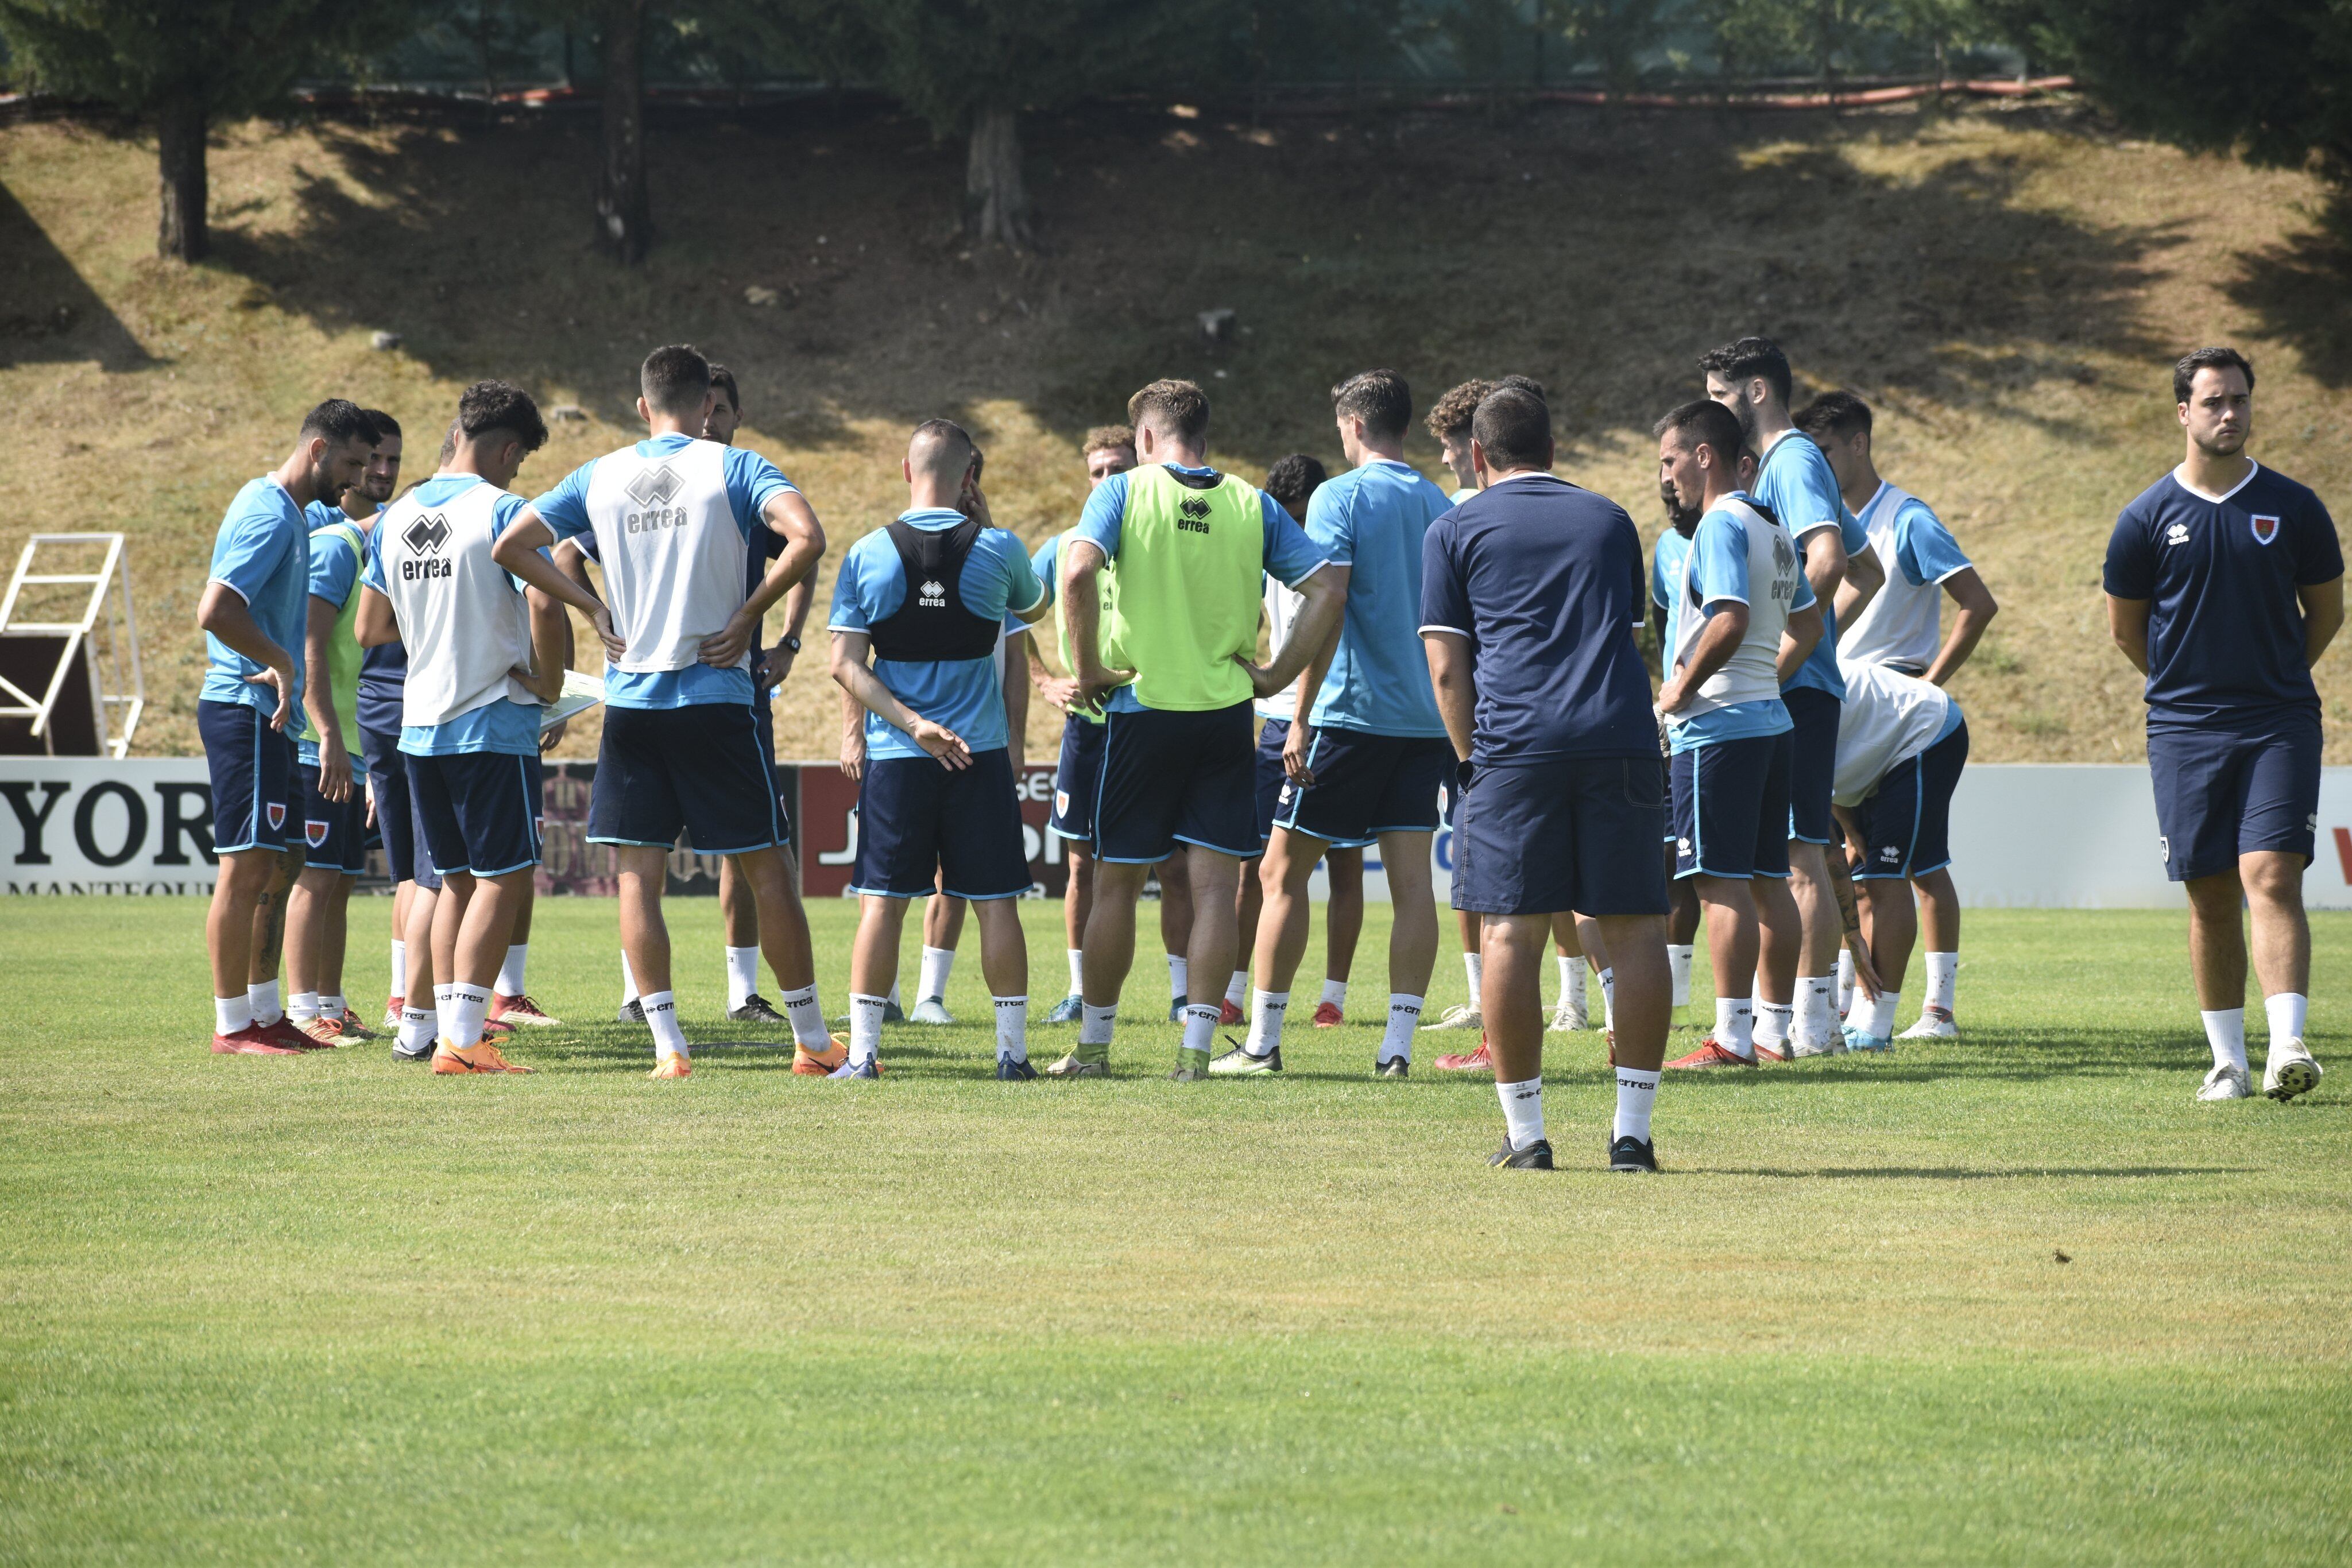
(1266, 1013)
(419, 1028)
(331, 1006)
(1176, 977)
(1201, 1026)
(742, 975)
(2225, 1031)
(1734, 1026)
(510, 981)
(1404, 1017)
(1772, 1023)
(1522, 1110)
(1095, 1023)
(1817, 1023)
(1943, 975)
(1013, 1027)
(937, 962)
(1609, 998)
(1845, 982)
(1335, 992)
(1878, 1017)
(302, 1006)
(444, 1010)
(865, 1027)
(1237, 989)
(1077, 970)
(399, 967)
(266, 1008)
(231, 1014)
(808, 1019)
(1472, 967)
(628, 982)
(1678, 964)
(1571, 976)
(1636, 1091)
(661, 1016)
(2287, 1011)
(468, 1005)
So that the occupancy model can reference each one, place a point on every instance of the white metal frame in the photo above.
(106, 611)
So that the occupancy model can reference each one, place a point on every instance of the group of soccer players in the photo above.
(1471, 657)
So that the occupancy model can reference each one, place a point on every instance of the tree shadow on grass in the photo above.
(2300, 290)
(1964, 1173)
(48, 314)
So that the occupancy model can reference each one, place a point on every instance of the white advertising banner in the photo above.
(2023, 835)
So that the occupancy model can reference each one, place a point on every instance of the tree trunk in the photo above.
(623, 205)
(181, 233)
(996, 203)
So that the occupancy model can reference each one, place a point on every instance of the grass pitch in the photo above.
(332, 1308)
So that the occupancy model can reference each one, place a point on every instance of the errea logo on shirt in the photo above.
(2178, 534)
(653, 489)
(424, 538)
(932, 595)
(1193, 515)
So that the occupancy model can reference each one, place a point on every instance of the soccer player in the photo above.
(1167, 652)
(334, 810)
(1368, 755)
(1449, 421)
(1109, 449)
(1901, 746)
(1666, 591)
(673, 517)
(2225, 584)
(1293, 481)
(1745, 619)
(1531, 595)
(1796, 1006)
(483, 658)
(253, 614)
(1898, 628)
(926, 599)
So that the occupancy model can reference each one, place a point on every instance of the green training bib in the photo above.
(1184, 598)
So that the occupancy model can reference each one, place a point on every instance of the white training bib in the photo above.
(1773, 569)
(465, 623)
(1888, 716)
(1902, 622)
(673, 556)
(1281, 611)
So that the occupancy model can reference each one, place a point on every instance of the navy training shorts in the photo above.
(256, 790)
(334, 833)
(698, 770)
(2231, 790)
(1536, 838)
(1731, 808)
(1812, 762)
(1906, 825)
(1077, 779)
(1366, 785)
(405, 854)
(478, 811)
(1171, 778)
(920, 823)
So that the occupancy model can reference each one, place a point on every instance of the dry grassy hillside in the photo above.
(2009, 287)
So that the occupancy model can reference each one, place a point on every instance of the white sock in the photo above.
(1522, 1110)
(1571, 976)
(661, 1016)
(1878, 1021)
(1335, 992)
(419, 1029)
(1013, 1027)
(231, 1014)
(399, 967)
(1943, 972)
(1404, 1017)
(1734, 1026)
(937, 962)
(331, 1006)
(2225, 1031)
(865, 1027)
(302, 1006)
(628, 982)
(468, 1005)
(1678, 963)
(2287, 1011)
(742, 975)
(808, 1019)
(1845, 982)
(1772, 1023)
(266, 1008)
(1078, 971)
(1176, 977)
(1817, 1022)
(1636, 1091)
(1472, 967)
(1237, 989)
(893, 997)
(1609, 998)
(445, 1008)
(1094, 1023)
(1201, 1026)
(1267, 1011)
(510, 983)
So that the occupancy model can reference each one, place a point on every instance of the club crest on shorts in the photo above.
(1061, 802)
(276, 815)
(314, 830)
(2265, 529)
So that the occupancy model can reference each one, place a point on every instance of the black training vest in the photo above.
(931, 623)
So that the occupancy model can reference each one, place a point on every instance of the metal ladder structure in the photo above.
(106, 631)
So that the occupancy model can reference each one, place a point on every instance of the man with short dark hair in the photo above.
(2225, 584)
(1745, 619)
(1897, 628)
(673, 517)
(1797, 1007)
(252, 615)
(1531, 595)
(1168, 651)
(1367, 754)
(926, 600)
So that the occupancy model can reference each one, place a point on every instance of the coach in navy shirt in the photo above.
(1531, 592)
(2225, 584)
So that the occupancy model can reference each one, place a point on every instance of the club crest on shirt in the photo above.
(2265, 529)
(316, 831)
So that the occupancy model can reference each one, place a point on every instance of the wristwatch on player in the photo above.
(793, 645)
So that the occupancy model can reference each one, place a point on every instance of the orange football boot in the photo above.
(672, 1067)
(483, 1058)
(820, 1063)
